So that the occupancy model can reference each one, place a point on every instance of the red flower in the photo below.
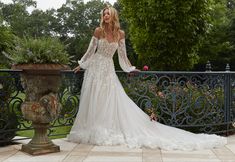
(145, 68)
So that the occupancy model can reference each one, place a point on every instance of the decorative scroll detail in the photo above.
(198, 102)
(69, 98)
(11, 97)
(192, 101)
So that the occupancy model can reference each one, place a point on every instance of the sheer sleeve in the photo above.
(122, 57)
(83, 63)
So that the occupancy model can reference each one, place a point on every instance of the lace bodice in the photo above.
(107, 49)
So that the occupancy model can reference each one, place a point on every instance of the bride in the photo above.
(107, 116)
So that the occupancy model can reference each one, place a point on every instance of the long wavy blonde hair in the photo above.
(114, 22)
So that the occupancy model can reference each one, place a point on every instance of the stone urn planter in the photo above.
(41, 106)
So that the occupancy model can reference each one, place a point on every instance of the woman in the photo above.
(107, 116)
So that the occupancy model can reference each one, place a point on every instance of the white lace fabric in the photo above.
(90, 51)
(122, 57)
(107, 116)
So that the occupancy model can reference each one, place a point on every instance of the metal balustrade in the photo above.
(194, 101)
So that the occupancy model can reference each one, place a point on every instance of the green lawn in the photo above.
(59, 131)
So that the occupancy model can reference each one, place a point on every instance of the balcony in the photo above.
(201, 102)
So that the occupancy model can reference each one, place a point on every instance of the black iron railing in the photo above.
(195, 101)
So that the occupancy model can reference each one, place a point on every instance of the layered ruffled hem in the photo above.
(105, 137)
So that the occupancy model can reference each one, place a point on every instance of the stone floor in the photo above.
(71, 152)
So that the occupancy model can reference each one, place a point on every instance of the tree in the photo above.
(16, 15)
(132, 56)
(219, 45)
(166, 34)
(25, 3)
(6, 42)
(41, 24)
(77, 22)
(74, 22)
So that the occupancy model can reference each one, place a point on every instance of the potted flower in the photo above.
(41, 61)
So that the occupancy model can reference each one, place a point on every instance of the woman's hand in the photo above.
(76, 69)
(136, 71)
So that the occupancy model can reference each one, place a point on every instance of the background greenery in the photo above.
(165, 35)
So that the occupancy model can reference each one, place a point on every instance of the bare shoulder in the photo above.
(98, 32)
(122, 34)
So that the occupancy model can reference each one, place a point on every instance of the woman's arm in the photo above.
(91, 49)
(122, 55)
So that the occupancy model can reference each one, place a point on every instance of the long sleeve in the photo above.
(83, 63)
(122, 57)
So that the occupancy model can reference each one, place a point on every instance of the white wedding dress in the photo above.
(107, 116)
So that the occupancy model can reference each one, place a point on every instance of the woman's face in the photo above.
(106, 16)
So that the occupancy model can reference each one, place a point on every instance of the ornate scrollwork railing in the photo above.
(195, 101)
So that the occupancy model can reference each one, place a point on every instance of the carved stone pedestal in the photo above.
(40, 144)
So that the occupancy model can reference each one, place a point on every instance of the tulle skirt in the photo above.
(107, 116)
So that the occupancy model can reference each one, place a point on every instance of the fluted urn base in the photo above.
(40, 143)
(41, 149)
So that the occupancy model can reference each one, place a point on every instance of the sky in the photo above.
(47, 4)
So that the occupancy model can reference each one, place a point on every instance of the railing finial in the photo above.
(227, 67)
(208, 66)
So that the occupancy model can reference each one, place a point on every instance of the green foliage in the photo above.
(73, 23)
(26, 3)
(40, 24)
(40, 50)
(15, 15)
(6, 38)
(166, 34)
(6, 42)
(76, 22)
(218, 46)
(132, 56)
